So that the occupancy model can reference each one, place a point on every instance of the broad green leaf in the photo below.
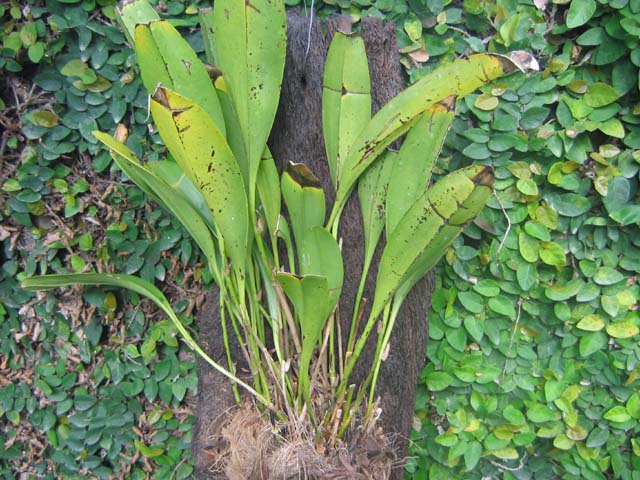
(304, 199)
(527, 276)
(600, 94)
(487, 287)
(204, 155)
(447, 439)
(580, 12)
(207, 29)
(617, 414)
(250, 46)
(372, 189)
(591, 343)
(319, 254)
(538, 231)
(166, 59)
(513, 415)
(563, 442)
(472, 455)
(428, 228)
(150, 452)
(475, 327)
(552, 253)
(597, 437)
(234, 132)
(529, 247)
(633, 405)
(309, 296)
(612, 127)
(413, 165)
(396, 117)
(502, 305)
(44, 118)
(527, 186)
(624, 329)
(486, 102)
(607, 276)
(141, 287)
(540, 413)
(560, 293)
(346, 98)
(471, 301)
(508, 453)
(437, 381)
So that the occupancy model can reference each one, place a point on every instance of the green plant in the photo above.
(225, 190)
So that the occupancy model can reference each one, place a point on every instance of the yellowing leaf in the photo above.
(625, 329)
(591, 323)
(486, 102)
(204, 155)
(508, 453)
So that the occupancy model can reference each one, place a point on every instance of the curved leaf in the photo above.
(167, 196)
(428, 228)
(141, 287)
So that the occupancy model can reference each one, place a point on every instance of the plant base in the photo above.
(249, 446)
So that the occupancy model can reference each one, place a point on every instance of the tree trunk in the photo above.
(297, 137)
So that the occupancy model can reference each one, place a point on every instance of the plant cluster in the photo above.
(225, 190)
(493, 423)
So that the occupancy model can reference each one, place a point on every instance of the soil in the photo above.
(297, 137)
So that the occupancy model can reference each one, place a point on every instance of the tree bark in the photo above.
(297, 137)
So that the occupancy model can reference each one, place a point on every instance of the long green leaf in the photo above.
(167, 59)
(143, 288)
(428, 228)
(372, 191)
(171, 199)
(269, 191)
(250, 47)
(207, 29)
(413, 166)
(204, 155)
(234, 132)
(346, 98)
(458, 78)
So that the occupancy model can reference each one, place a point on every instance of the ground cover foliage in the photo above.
(533, 356)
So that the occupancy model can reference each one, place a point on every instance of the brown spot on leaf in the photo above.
(160, 96)
(301, 174)
(484, 177)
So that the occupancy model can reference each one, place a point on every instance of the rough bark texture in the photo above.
(297, 137)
